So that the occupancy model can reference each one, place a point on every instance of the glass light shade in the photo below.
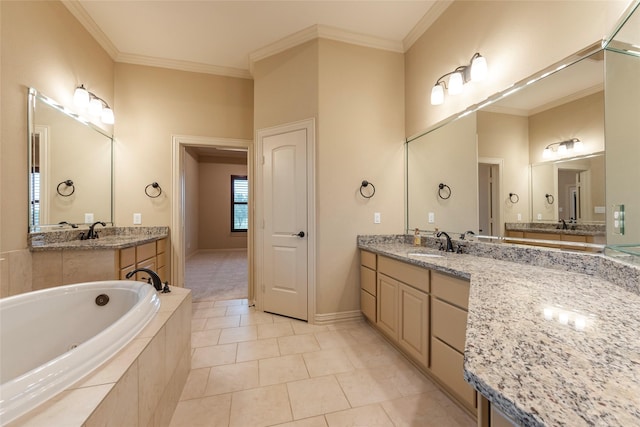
(578, 145)
(455, 83)
(546, 153)
(562, 149)
(437, 95)
(81, 97)
(478, 69)
(95, 107)
(107, 116)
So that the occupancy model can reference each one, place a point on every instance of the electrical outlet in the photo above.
(137, 218)
(539, 216)
(432, 217)
(376, 218)
(519, 217)
(88, 218)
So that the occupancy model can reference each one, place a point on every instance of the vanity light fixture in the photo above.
(475, 71)
(563, 147)
(95, 105)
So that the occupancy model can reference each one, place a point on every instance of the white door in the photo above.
(285, 241)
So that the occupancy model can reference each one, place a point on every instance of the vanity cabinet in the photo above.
(403, 307)
(368, 266)
(449, 304)
(150, 255)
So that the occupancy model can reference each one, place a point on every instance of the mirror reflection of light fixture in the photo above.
(563, 147)
(95, 105)
(475, 71)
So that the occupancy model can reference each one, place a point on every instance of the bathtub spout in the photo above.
(154, 279)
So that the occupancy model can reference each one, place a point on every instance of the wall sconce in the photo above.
(562, 148)
(95, 105)
(475, 71)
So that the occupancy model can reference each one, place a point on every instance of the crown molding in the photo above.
(79, 12)
(195, 67)
(322, 32)
(425, 22)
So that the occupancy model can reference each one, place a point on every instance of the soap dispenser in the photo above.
(416, 237)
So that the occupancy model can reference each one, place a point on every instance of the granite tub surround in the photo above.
(109, 238)
(547, 346)
(139, 386)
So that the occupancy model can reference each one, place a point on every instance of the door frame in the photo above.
(179, 144)
(501, 193)
(309, 126)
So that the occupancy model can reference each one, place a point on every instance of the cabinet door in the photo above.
(387, 303)
(413, 331)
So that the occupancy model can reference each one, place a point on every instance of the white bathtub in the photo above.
(50, 339)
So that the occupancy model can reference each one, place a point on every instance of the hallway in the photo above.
(256, 369)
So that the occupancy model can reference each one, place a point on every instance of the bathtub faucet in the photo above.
(153, 279)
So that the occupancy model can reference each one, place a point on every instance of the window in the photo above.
(239, 199)
(34, 211)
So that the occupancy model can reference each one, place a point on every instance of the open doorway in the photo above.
(211, 231)
(489, 204)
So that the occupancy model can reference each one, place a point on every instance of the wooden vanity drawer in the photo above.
(368, 280)
(450, 289)
(368, 305)
(161, 246)
(448, 365)
(410, 274)
(127, 257)
(449, 323)
(368, 259)
(146, 251)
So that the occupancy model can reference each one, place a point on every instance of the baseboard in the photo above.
(342, 316)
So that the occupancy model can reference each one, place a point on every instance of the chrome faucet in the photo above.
(92, 234)
(153, 279)
(449, 247)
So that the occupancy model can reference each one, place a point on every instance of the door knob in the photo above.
(300, 234)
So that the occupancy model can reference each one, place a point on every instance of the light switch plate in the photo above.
(88, 218)
(376, 218)
(137, 218)
(432, 217)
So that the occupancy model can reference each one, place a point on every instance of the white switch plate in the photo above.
(539, 216)
(88, 218)
(137, 218)
(519, 217)
(432, 217)
(376, 218)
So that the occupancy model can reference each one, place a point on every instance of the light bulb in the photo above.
(562, 149)
(437, 95)
(455, 83)
(478, 68)
(95, 107)
(546, 153)
(107, 116)
(578, 145)
(81, 97)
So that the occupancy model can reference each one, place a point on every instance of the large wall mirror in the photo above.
(493, 155)
(70, 167)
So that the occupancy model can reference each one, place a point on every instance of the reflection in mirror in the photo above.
(70, 167)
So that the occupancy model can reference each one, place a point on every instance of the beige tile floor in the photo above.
(256, 369)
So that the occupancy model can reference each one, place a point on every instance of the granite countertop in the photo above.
(547, 347)
(554, 228)
(110, 238)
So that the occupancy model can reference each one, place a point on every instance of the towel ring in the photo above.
(365, 184)
(444, 188)
(68, 183)
(153, 185)
(513, 196)
(549, 198)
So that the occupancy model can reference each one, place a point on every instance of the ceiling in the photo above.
(223, 37)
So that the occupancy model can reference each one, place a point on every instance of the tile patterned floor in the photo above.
(256, 369)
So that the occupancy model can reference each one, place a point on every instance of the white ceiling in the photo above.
(219, 36)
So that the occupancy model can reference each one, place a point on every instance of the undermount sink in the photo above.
(426, 255)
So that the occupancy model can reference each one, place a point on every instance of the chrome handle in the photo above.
(300, 234)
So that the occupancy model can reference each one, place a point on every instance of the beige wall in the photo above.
(505, 136)
(360, 136)
(155, 104)
(191, 202)
(509, 34)
(215, 203)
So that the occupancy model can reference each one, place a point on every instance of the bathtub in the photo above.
(50, 339)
